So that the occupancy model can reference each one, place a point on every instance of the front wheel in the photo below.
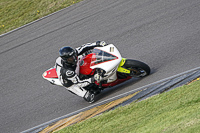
(136, 68)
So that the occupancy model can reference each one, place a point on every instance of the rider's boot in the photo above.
(89, 97)
(97, 91)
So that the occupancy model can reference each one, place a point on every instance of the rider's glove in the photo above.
(101, 43)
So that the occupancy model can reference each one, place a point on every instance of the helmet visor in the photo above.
(71, 60)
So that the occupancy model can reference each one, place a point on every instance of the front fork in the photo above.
(121, 69)
(130, 69)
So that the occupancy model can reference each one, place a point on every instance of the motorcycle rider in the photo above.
(68, 70)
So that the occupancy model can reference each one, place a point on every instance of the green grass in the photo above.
(175, 111)
(16, 13)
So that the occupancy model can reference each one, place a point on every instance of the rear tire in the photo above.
(137, 68)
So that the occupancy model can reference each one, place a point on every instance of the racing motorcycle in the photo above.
(107, 66)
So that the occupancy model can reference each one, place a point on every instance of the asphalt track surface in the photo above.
(163, 33)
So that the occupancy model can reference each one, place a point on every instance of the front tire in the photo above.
(137, 68)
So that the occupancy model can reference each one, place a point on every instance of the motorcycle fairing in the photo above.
(51, 73)
(106, 57)
(85, 65)
(51, 76)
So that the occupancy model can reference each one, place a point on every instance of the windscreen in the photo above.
(100, 56)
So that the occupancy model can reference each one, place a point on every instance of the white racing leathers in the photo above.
(68, 74)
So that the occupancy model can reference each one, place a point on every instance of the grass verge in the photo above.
(175, 111)
(16, 13)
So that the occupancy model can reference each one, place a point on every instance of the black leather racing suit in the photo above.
(68, 74)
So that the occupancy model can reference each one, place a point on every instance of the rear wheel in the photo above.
(137, 68)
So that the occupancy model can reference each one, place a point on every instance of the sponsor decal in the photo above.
(82, 62)
(69, 73)
(71, 53)
(111, 49)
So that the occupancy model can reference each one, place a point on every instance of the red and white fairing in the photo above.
(51, 75)
(106, 58)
